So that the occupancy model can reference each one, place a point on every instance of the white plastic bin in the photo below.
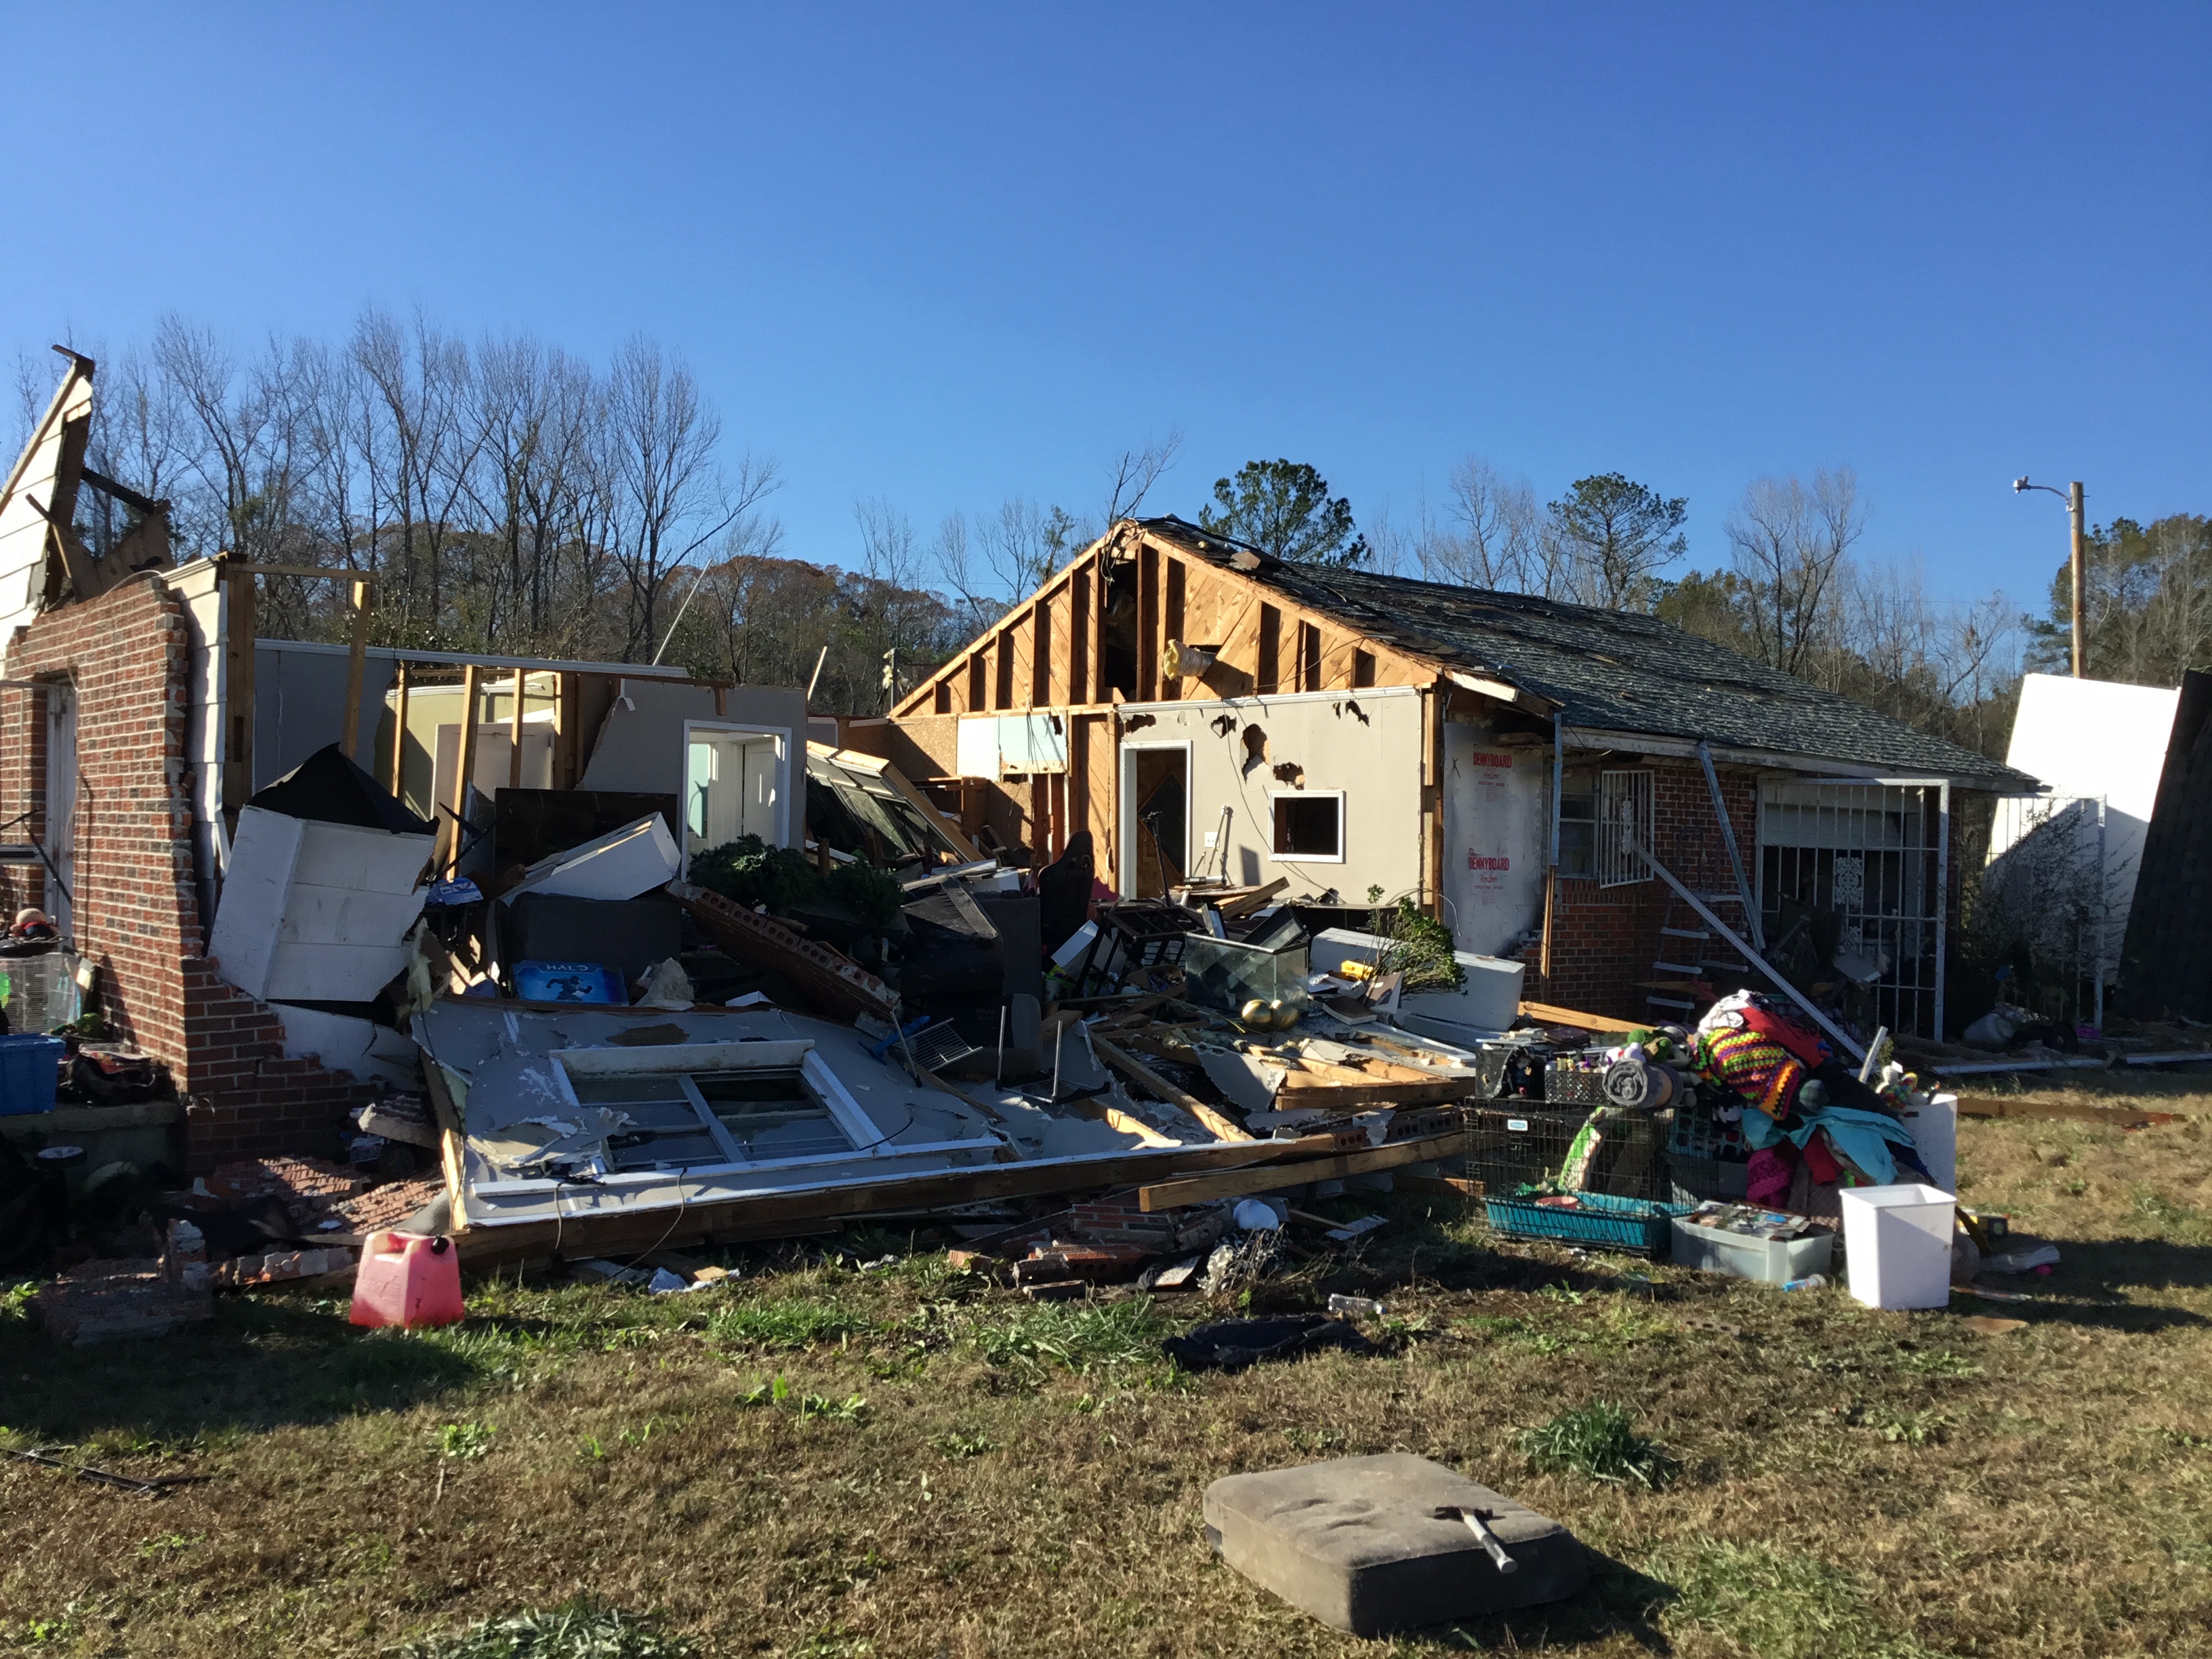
(1769, 1260)
(1935, 1129)
(1897, 1245)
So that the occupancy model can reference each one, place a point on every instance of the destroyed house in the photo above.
(1597, 793)
(141, 713)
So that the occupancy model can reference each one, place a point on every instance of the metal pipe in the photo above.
(1727, 840)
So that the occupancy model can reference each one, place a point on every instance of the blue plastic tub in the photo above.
(30, 1067)
(1641, 1224)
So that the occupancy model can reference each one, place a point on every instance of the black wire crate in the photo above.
(1623, 1155)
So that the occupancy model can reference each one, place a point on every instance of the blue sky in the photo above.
(945, 255)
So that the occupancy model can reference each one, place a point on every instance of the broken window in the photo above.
(694, 1106)
(1309, 826)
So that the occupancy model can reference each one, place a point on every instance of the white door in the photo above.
(61, 804)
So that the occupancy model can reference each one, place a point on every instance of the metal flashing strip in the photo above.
(1821, 769)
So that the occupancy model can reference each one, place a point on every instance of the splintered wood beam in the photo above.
(1272, 1178)
(1160, 1089)
(464, 761)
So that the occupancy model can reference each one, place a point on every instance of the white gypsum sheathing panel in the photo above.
(344, 1042)
(620, 865)
(315, 911)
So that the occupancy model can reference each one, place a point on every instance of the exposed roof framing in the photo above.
(1233, 620)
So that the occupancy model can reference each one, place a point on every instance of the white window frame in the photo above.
(1343, 828)
(683, 1060)
(783, 774)
(1626, 800)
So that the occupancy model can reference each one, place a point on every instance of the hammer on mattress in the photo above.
(1487, 1539)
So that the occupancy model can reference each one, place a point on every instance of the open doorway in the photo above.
(1155, 819)
(736, 782)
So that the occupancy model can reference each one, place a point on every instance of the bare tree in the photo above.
(1489, 537)
(670, 498)
(1132, 474)
(1789, 544)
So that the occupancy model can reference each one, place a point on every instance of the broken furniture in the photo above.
(1373, 1545)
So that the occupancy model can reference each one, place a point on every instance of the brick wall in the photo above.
(1605, 939)
(136, 910)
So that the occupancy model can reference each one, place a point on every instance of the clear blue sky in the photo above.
(946, 254)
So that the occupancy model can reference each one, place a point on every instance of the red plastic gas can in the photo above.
(407, 1280)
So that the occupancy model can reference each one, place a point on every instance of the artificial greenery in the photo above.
(869, 893)
(750, 871)
(1419, 947)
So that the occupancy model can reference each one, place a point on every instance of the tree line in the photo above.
(512, 497)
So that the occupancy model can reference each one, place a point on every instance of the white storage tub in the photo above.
(1769, 1260)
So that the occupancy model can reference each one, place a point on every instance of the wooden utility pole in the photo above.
(2080, 583)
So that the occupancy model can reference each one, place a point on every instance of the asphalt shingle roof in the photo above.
(1607, 670)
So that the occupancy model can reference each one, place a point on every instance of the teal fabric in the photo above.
(1864, 1137)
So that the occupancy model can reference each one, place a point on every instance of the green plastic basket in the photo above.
(1642, 1225)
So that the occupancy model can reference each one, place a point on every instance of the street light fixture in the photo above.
(2072, 496)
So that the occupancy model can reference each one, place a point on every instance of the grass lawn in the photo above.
(947, 1469)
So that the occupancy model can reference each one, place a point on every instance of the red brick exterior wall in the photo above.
(136, 909)
(1605, 939)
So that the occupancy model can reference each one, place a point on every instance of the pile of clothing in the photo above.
(1812, 1125)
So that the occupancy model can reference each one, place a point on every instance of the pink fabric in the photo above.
(1770, 1172)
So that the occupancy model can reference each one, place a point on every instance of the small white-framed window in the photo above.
(1624, 824)
(718, 1105)
(1309, 825)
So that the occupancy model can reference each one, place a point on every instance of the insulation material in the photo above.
(316, 912)
(1497, 805)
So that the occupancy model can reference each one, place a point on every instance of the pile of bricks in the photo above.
(100, 1301)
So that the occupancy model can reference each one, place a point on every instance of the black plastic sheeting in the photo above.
(328, 788)
(1234, 1344)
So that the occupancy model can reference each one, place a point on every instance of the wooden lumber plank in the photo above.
(1546, 1013)
(464, 761)
(2115, 1116)
(1203, 1189)
(1146, 1078)
(356, 666)
(1245, 904)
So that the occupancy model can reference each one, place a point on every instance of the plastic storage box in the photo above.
(30, 1069)
(1769, 1260)
(1897, 1245)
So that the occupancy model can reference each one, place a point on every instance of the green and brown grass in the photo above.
(814, 1460)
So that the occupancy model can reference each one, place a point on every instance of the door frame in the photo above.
(789, 765)
(1126, 829)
